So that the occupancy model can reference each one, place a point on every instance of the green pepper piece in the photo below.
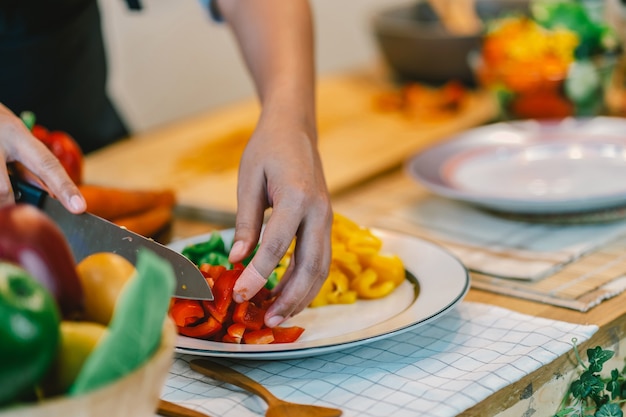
(216, 258)
(272, 280)
(29, 331)
(197, 251)
(28, 118)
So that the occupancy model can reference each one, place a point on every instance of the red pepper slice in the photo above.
(234, 333)
(259, 337)
(222, 294)
(212, 271)
(287, 334)
(249, 315)
(261, 297)
(239, 313)
(230, 339)
(203, 330)
(186, 312)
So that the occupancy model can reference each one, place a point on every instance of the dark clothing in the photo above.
(53, 63)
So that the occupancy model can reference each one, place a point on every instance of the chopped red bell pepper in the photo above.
(261, 297)
(234, 333)
(249, 315)
(230, 339)
(186, 312)
(262, 336)
(287, 334)
(223, 320)
(202, 330)
(212, 271)
(222, 294)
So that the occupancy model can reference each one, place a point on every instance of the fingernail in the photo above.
(237, 249)
(77, 203)
(274, 321)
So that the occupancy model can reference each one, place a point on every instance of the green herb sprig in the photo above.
(592, 395)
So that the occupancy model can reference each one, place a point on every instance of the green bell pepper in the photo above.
(29, 332)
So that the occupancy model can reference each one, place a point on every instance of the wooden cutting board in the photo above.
(198, 157)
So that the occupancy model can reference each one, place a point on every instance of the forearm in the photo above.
(276, 41)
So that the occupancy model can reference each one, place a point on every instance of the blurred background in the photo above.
(170, 60)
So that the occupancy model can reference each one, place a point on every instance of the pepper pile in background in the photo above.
(555, 63)
(424, 103)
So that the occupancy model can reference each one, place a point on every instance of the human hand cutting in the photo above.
(18, 145)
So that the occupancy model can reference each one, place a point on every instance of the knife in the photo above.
(88, 234)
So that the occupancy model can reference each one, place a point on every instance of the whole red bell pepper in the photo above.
(65, 148)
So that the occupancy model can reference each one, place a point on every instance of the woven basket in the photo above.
(137, 394)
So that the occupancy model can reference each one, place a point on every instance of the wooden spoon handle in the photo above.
(225, 374)
(169, 409)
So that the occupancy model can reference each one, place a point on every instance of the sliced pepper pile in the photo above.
(214, 252)
(358, 269)
(223, 320)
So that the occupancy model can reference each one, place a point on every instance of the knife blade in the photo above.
(88, 234)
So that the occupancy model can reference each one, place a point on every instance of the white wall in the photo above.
(170, 60)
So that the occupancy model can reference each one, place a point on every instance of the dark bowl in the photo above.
(417, 47)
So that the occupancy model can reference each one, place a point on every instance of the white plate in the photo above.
(567, 166)
(442, 282)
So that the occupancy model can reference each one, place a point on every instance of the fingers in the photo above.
(17, 144)
(308, 270)
(249, 221)
(290, 181)
(58, 182)
(6, 193)
(276, 240)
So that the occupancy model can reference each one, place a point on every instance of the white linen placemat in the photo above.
(439, 369)
(497, 246)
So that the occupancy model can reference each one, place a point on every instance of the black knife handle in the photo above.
(27, 193)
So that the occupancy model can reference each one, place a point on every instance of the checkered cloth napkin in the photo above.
(498, 246)
(439, 369)
(575, 265)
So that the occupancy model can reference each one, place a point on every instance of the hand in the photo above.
(17, 144)
(281, 168)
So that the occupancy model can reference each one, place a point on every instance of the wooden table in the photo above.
(360, 199)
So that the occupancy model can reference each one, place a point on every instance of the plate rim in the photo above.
(291, 351)
(528, 131)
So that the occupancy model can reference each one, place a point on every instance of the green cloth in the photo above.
(135, 329)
